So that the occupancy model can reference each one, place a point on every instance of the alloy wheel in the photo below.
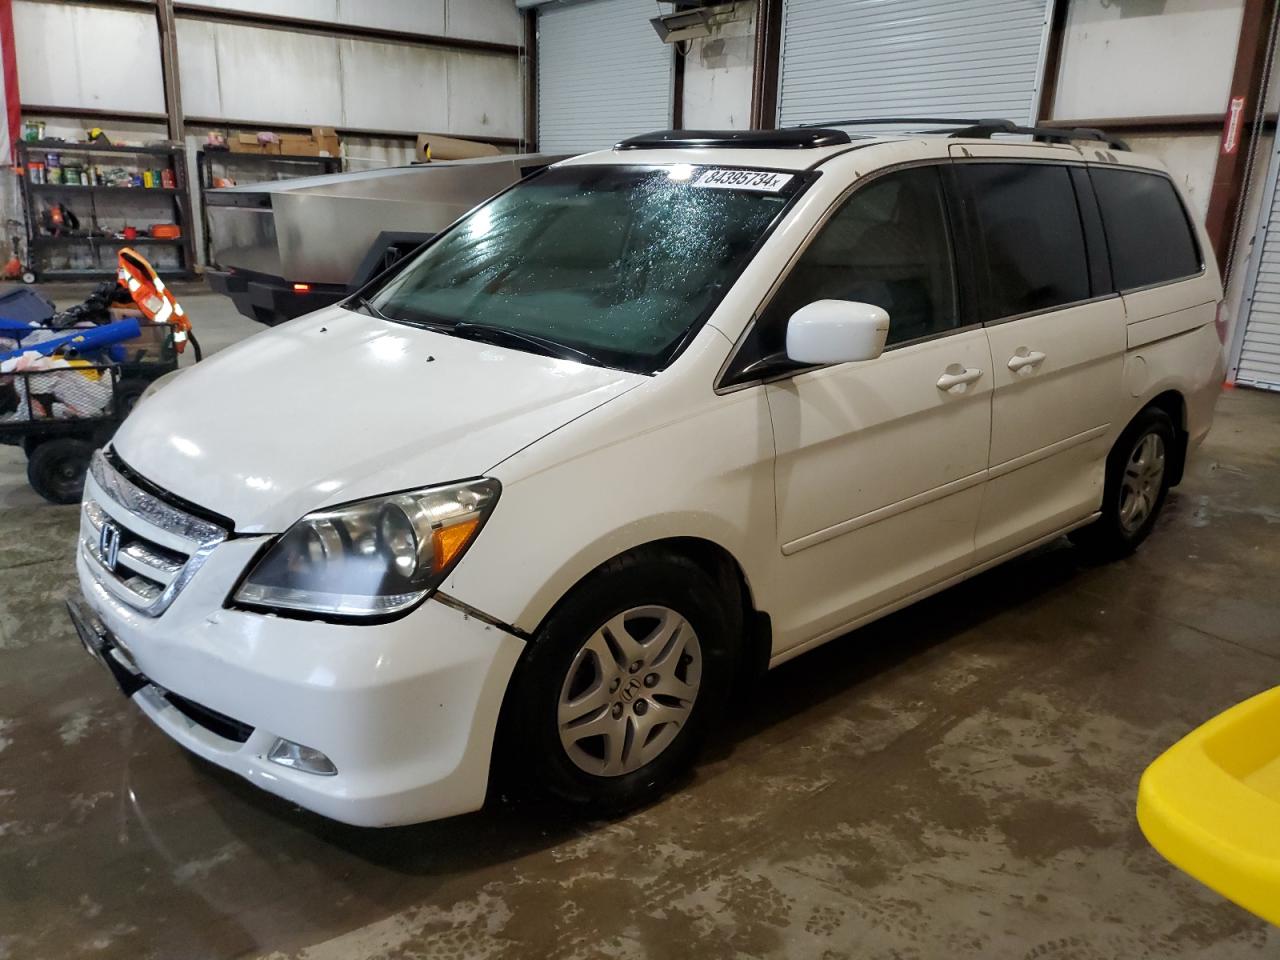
(1142, 481)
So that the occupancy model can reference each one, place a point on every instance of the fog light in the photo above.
(297, 757)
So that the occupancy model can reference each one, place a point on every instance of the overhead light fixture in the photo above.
(689, 24)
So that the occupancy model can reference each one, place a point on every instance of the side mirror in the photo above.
(836, 331)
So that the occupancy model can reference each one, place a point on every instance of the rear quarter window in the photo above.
(1149, 235)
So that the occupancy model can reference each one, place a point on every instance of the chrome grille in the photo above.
(140, 548)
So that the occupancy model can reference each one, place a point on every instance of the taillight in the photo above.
(1220, 323)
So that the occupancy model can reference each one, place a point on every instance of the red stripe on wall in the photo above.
(9, 64)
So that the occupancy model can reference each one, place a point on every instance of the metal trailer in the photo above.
(286, 248)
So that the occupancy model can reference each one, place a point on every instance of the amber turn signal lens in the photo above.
(447, 542)
(302, 288)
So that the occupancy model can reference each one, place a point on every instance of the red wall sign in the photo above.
(1231, 133)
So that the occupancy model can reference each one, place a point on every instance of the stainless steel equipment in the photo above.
(282, 249)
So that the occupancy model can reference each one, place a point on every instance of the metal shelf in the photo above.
(43, 241)
(106, 203)
(100, 188)
(89, 274)
(57, 146)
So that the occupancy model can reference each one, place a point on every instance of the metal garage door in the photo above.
(911, 58)
(603, 74)
(1256, 345)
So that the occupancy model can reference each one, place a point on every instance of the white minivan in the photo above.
(650, 421)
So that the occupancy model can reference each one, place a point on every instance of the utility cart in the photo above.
(68, 383)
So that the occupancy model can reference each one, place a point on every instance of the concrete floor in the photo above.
(955, 781)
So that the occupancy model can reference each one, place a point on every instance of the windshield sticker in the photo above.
(764, 181)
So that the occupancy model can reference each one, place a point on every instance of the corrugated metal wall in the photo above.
(603, 74)
(1256, 351)
(905, 58)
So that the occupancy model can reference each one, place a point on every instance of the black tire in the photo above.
(532, 749)
(56, 469)
(1110, 537)
(128, 393)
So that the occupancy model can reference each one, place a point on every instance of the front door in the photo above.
(880, 464)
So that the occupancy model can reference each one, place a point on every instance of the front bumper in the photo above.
(405, 710)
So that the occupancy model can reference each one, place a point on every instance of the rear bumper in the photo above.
(271, 300)
(406, 711)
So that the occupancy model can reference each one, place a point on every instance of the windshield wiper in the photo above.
(490, 333)
(367, 305)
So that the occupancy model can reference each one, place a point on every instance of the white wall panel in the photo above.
(910, 58)
(1136, 59)
(717, 75)
(388, 87)
(484, 95)
(254, 73)
(81, 56)
(496, 21)
(274, 76)
(603, 74)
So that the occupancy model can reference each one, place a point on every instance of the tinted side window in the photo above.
(1148, 234)
(887, 245)
(1030, 230)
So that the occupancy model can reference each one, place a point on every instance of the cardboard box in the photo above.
(248, 143)
(327, 140)
(320, 142)
(433, 146)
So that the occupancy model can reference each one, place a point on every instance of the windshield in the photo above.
(616, 264)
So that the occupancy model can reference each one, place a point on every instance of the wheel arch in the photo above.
(1173, 403)
(717, 561)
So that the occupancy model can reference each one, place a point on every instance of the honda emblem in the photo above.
(109, 544)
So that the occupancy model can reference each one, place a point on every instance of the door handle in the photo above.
(1024, 359)
(956, 378)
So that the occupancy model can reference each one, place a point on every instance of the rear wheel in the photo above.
(1138, 474)
(56, 469)
(619, 687)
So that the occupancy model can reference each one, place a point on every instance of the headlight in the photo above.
(372, 558)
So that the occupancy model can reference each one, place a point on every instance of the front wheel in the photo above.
(1136, 486)
(619, 687)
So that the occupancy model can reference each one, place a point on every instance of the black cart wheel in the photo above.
(128, 393)
(57, 469)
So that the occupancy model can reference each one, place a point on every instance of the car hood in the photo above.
(339, 406)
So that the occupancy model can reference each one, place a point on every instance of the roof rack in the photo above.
(786, 139)
(984, 129)
(888, 121)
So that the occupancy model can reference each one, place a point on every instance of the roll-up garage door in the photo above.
(603, 74)
(911, 58)
(1256, 345)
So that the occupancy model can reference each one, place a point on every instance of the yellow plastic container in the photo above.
(1211, 804)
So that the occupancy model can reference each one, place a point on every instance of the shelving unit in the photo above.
(133, 206)
(269, 166)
